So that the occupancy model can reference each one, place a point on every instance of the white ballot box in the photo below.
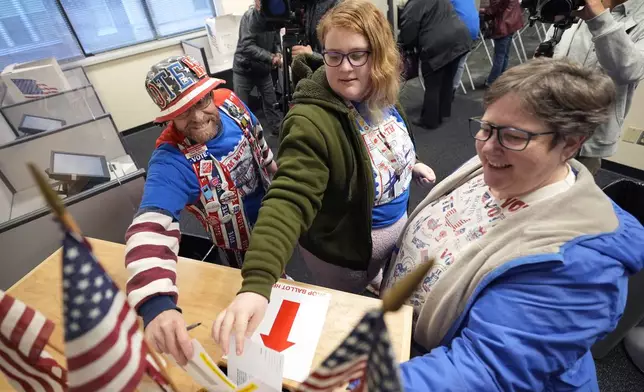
(223, 33)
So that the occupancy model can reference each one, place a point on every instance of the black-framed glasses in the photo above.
(199, 105)
(356, 58)
(511, 138)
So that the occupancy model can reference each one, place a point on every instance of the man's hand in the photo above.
(243, 315)
(592, 9)
(276, 60)
(168, 334)
(299, 49)
(423, 175)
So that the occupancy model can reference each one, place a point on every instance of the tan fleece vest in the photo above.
(541, 229)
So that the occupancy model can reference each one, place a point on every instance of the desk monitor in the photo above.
(32, 125)
(68, 166)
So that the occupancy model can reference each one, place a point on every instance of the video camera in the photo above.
(556, 12)
(283, 13)
(287, 14)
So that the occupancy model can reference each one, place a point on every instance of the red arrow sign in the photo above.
(277, 339)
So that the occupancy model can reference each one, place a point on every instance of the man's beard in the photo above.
(204, 135)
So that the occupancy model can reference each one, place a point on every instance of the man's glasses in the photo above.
(511, 138)
(356, 59)
(200, 105)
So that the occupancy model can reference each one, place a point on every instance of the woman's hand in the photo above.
(243, 315)
(423, 175)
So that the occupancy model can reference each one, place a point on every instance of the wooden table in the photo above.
(204, 290)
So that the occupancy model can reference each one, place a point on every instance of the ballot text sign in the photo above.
(292, 326)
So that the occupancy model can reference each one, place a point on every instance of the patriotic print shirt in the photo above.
(172, 184)
(391, 189)
(449, 224)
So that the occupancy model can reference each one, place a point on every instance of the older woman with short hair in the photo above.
(531, 258)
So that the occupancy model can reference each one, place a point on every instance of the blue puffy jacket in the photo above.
(529, 324)
(506, 310)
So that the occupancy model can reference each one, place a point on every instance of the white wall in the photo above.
(120, 85)
(631, 154)
(238, 7)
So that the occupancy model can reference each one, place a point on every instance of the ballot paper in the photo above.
(205, 371)
(256, 363)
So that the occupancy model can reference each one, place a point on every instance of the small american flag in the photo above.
(103, 344)
(365, 354)
(30, 88)
(24, 332)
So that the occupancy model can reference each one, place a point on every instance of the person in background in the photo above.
(433, 29)
(506, 17)
(256, 55)
(468, 13)
(611, 36)
(313, 11)
(346, 161)
(211, 159)
(531, 258)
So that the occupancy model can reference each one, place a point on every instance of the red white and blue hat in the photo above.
(177, 83)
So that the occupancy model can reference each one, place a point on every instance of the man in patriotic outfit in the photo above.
(211, 159)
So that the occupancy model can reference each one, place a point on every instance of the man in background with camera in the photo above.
(256, 55)
(314, 10)
(611, 36)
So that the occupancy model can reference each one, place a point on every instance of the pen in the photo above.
(193, 326)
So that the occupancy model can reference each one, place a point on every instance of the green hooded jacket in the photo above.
(323, 191)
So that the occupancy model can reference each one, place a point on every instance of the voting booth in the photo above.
(88, 166)
(48, 111)
(74, 157)
(70, 137)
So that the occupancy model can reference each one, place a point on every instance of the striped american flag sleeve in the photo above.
(152, 246)
(267, 154)
(365, 355)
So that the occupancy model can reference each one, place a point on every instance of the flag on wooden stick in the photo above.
(365, 357)
(365, 354)
(103, 344)
(24, 332)
(105, 349)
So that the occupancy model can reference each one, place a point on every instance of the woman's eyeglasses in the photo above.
(511, 138)
(357, 58)
(200, 105)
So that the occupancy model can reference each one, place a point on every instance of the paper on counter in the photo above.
(205, 371)
(256, 363)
